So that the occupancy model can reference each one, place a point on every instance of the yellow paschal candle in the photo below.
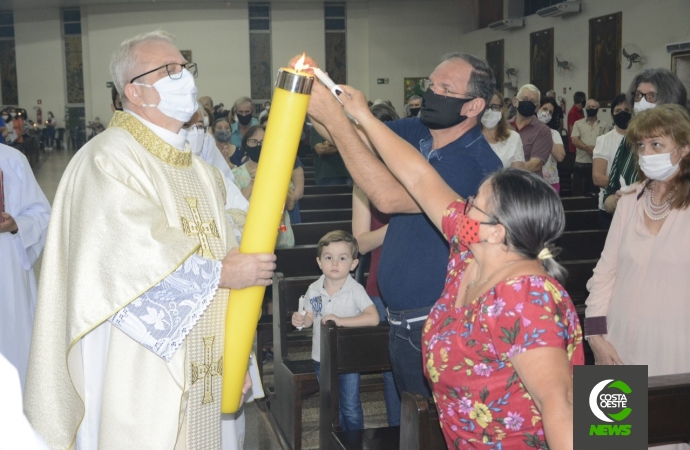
(278, 153)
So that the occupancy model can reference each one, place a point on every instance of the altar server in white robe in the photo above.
(22, 237)
(129, 336)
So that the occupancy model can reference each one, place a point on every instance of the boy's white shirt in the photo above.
(350, 301)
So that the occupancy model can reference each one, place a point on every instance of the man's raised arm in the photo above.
(368, 172)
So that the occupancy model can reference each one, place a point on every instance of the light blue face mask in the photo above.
(178, 97)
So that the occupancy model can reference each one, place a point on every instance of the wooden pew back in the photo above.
(310, 233)
(419, 425)
(669, 409)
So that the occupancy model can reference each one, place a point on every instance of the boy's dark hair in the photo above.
(338, 236)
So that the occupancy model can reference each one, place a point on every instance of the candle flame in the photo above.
(299, 65)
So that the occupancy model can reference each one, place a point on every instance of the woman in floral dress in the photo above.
(500, 343)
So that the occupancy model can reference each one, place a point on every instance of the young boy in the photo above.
(338, 297)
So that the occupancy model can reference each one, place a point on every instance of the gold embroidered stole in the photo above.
(201, 216)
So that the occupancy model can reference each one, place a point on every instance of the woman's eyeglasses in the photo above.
(469, 204)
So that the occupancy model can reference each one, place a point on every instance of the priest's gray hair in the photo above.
(125, 63)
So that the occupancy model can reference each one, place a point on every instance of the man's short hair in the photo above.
(338, 236)
(482, 82)
(414, 97)
(125, 62)
(242, 101)
(579, 97)
(531, 88)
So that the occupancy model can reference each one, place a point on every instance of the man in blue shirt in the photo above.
(413, 263)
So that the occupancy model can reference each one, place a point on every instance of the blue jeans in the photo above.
(404, 346)
(390, 393)
(333, 180)
(295, 215)
(350, 414)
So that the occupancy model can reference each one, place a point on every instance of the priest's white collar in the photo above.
(176, 140)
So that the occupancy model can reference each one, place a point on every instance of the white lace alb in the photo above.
(162, 317)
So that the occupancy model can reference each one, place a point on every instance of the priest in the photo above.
(23, 226)
(128, 343)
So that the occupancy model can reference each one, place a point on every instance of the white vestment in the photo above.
(118, 406)
(25, 202)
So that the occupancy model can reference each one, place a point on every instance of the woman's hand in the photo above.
(355, 103)
(604, 352)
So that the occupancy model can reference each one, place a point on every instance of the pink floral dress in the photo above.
(480, 399)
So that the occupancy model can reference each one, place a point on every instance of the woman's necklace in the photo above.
(657, 211)
(473, 282)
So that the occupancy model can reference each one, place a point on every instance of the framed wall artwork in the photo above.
(604, 57)
(680, 65)
(494, 57)
(541, 59)
(413, 86)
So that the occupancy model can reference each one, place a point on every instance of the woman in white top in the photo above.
(605, 150)
(504, 141)
(550, 169)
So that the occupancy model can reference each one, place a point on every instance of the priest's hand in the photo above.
(243, 270)
(8, 225)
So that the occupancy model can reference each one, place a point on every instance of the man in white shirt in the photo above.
(584, 136)
(605, 150)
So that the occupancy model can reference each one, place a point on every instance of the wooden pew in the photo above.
(668, 410)
(584, 219)
(419, 425)
(579, 273)
(327, 190)
(579, 203)
(348, 350)
(325, 215)
(328, 201)
(293, 379)
(579, 245)
(297, 261)
(310, 233)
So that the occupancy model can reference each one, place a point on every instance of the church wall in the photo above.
(40, 62)
(358, 46)
(296, 28)
(217, 37)
(407, 39)
(650, 26)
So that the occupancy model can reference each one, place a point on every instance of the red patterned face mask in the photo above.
(468, 232)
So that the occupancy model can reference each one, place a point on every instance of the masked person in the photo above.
(504, 141)
(576, 113)
(412, 269)
(537, 142)
(136, 271)
(584, 136)
(414, 106)
(550, 170)
(604, 151)
(222, 133)
(649, 89)
(243, 109)
(637, 310)
(246, 173)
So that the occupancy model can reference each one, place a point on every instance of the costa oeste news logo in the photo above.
(610, 407)
(599, 401)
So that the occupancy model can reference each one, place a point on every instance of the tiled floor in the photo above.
(259, 435)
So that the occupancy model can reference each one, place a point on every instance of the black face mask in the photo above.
(253, 152)
(414, 111)
(592, 112)
(440, 112)
(526, 108)
(622, 119)
(244, 120)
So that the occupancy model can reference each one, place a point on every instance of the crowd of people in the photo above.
(458, 202)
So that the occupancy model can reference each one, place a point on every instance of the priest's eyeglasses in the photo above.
(174, 70)
(469, 204)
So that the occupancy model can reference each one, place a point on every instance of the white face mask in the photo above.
(5, 117)
(178, 97)
(643, 105)
(13, 114)
(544, 116)
(658, 167)
(195, 137)
(491, 118)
